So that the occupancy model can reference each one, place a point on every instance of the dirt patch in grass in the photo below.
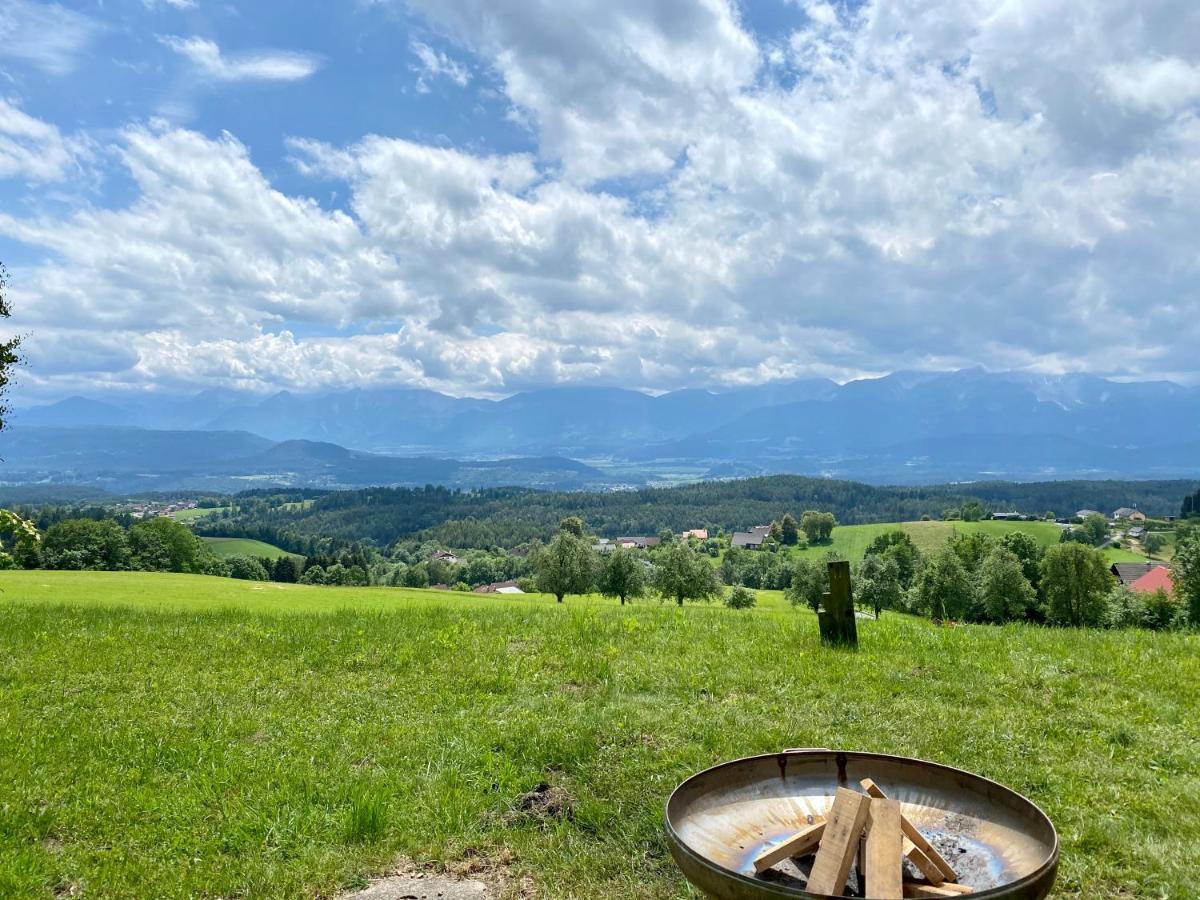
(545, 802)
(477, 876)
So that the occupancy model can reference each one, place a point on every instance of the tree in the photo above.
(789, 531)
(1005, 594)
(1153, 543)
(943, 587)
(972, 511)
(1026, 549)
(878, 582)
(622, 575)
(10, 356)
(566, 566)
(247, 568)
(85, 544)
(285, 570)
(171, 546)
(741, 598)
(971, 547)
(897, 545)
(683, 574)
(817, 526)
(1095, 527)
(809, 582)
(20, 542)
(572, 525)
(1185, 572)
(1075, 583)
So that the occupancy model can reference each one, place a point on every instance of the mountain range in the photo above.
(908, 427)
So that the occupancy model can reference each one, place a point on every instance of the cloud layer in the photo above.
(903, 184)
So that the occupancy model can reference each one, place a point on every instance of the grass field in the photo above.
(181, 736)
(244, 547)
(191, 515)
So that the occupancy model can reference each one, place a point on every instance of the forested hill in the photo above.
(508, 517)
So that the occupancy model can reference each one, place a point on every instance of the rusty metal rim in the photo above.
(678, 845)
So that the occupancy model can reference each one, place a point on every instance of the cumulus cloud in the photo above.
(44, 35)
(908, 183)
(265, 65)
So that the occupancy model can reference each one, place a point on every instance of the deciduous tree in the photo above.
(682, 574)
(622, 575)
(1005, 594)
(566, 566)
(1075, 582)
(1185, 572)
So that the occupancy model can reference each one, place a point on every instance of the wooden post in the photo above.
(836, 618)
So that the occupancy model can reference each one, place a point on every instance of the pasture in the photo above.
(223, 546)
(183, 736)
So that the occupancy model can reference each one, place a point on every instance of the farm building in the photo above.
(700, 534)
(1128, 513)
(1084, 513)
(638, 543)
(752, 539)
(1157, 579)
(499, 587)
(447, 557)
(1128, 573)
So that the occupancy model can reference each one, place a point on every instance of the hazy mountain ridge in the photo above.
(906, 427)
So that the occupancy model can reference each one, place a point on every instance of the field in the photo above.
(182, 736)
(243, 547)
(191, 515)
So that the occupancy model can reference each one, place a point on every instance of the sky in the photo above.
(482, 198)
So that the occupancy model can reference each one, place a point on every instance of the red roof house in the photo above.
(1157, 578)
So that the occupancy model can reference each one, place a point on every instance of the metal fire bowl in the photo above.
(721, 819)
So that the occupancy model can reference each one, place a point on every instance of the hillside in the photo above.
(282, 741)
(225, 547)
(508, 517)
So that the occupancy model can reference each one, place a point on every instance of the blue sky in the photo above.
(481, 198)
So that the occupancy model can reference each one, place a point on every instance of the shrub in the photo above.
(741, 598)
(247, 568)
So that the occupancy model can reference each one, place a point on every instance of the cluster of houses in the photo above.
(149, 510)
(606, 545)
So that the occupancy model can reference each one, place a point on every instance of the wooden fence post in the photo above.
(836, 617)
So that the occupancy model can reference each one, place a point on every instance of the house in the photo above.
(1137, 533)
(700, 534)
(638, 543)
(1157, 579)
(1084, 513)
(446, 556)
(1128, 573)
(499, 587)
(1130, 514)
(1008, 517)
(752, 539)
(603, 545)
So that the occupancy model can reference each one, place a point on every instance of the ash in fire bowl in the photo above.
(817, 823)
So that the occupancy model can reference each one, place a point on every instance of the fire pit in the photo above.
(721, 821)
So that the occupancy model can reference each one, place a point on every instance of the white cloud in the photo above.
(45, 35)
(178, 4)
(32, 149)
(909, 183)
(1159, 85)
(264, 65)
(435, 64)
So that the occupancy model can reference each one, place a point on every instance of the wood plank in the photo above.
(804, 841)
(950, 886)
(946, 871)
(918, 858)
(843, 830)
(912, 889)
(883, 858)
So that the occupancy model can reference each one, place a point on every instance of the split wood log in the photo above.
(883, 845)
(952, 887)
(805, 841)
(912, 889)
(945, 872)
(839, 844)
(917, 857)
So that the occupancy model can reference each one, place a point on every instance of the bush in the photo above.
(247, 568)
(741, 598)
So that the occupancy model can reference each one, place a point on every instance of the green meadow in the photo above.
(223, 546)
(181, 736)
(192, 515)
